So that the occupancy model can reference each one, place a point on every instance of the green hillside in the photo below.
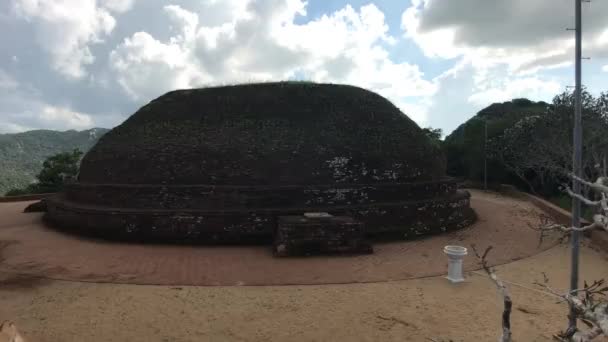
(465, 146)
(22, 154)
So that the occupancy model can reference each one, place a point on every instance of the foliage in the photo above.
(56, 171)
(433, 133)
(538, 148)
(465, 147)
(530, 143)
(22, 154)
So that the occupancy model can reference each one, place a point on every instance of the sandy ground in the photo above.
(411, 310)
(419, 309)
(28, 247)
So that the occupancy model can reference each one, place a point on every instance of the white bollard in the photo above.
(455, 255)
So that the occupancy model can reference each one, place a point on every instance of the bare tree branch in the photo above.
(598, 185)
(504, 292)
(589, 303)
(592, 311)
(581, 198)
(600, 221)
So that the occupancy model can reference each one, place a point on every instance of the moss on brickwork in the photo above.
(224, 163)
(269, 133)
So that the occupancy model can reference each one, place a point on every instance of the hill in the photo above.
(464, 147)
(22, 154)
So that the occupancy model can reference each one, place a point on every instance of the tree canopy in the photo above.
(530, 143)
(56, 171)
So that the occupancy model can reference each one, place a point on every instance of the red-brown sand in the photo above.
(30, 248)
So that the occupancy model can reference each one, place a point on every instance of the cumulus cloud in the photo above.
(462, 91)
(510, 88)
(72, 61)
(501, 50)
(117, 5)
(526, 35)
(145, 66)
(23, 108)
(66, 29)
(65, 117)
(9, 127)
(7, 82)
(261, 41)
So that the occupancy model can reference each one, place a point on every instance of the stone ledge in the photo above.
(24, 198)
(300, 235)
(406, 219)
(222, 197)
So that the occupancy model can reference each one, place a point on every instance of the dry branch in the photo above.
(590, 309)
(589, 303)
(504, 292)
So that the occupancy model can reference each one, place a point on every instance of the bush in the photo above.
(56, 171)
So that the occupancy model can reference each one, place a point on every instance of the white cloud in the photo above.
(145, 66)
(65, 29)
(23, 108)
(118, 6)
(500, 49)
(8, 127)
(525, 35)
(7, 82)
(508, 89)
(64, 117)
(605, 68)
(261, 42)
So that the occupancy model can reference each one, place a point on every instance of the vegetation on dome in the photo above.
(265, 133)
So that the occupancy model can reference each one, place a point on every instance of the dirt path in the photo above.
(28, 247)
(411, 310)
(404, 310)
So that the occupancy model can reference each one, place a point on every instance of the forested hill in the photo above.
(465, 145)
(22, 154)
(502, 114)
(530, 143)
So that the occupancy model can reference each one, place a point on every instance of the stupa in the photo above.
(223, 163)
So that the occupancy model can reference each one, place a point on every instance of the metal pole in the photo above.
(576, 160)
(485, 156)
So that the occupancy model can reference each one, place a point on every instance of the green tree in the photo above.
(538, 148)
(433, 133)
(56, 171)
(465, 147)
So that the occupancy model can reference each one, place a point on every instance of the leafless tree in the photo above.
(589, 302)
(591, 308)
(502, 289)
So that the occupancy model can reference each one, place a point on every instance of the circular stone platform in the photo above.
(29, 248)
(223, 163)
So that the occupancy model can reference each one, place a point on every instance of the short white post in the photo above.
(455, 255)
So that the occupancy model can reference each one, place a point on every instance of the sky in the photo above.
(78, 64)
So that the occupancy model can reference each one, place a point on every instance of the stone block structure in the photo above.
(303, 235)
(224, 163)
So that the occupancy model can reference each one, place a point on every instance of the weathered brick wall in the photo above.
(235, 197)
(299, 235)
(405, 219)
(223, 163)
